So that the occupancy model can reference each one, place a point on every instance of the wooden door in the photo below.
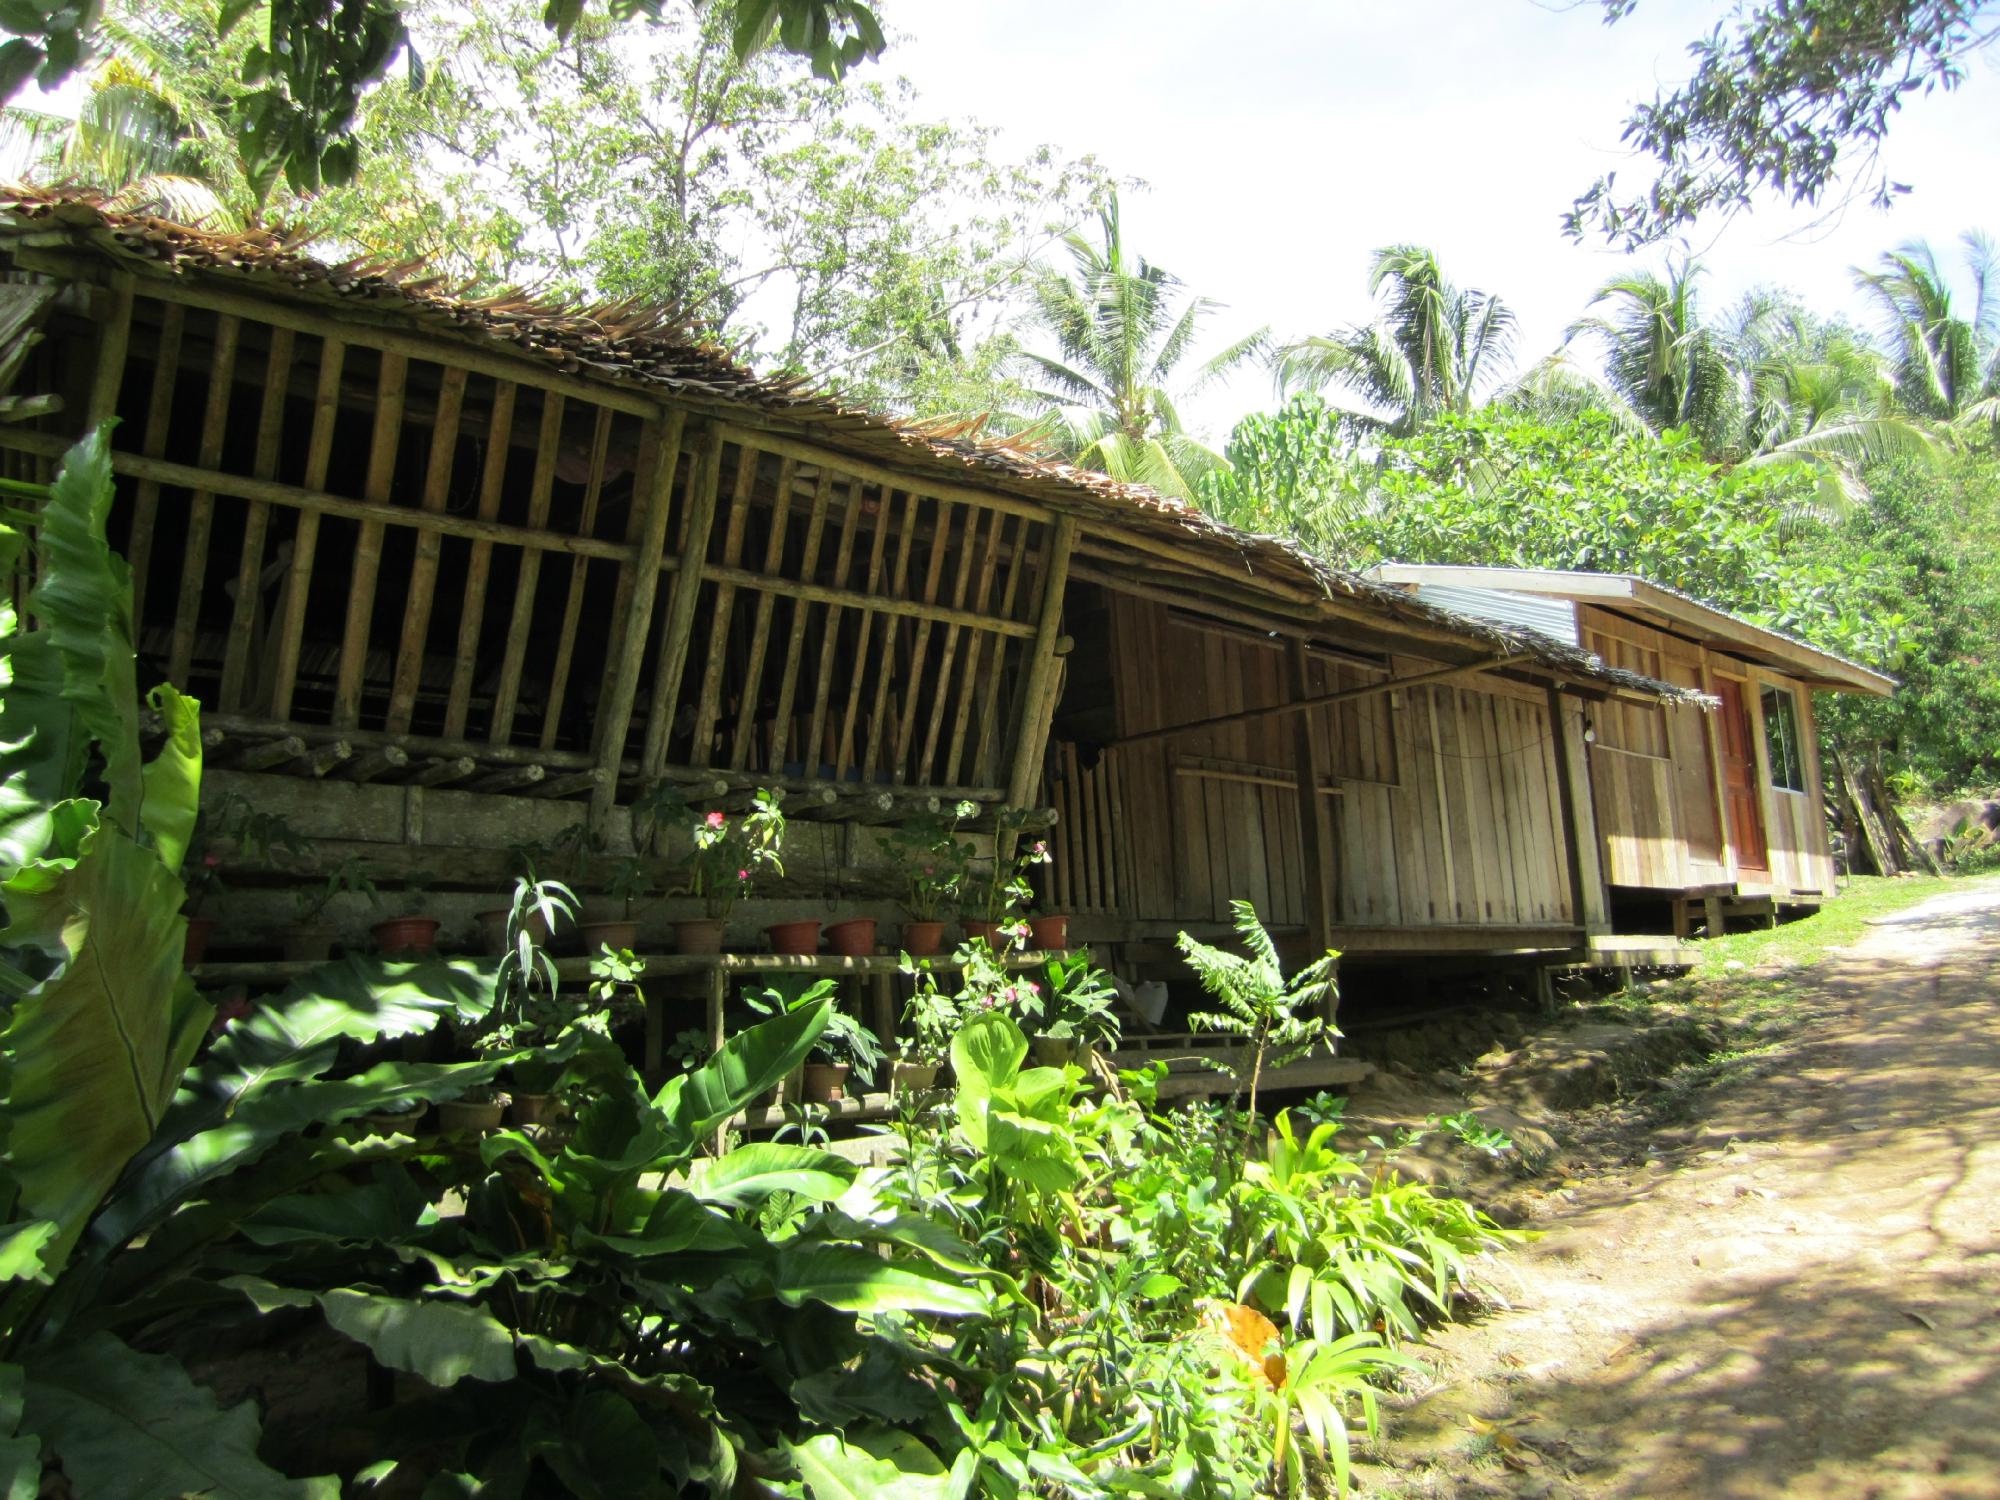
(1739, 778)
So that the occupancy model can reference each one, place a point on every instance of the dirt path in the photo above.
(1799, 1297)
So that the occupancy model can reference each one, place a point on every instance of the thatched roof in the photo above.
(658, 349)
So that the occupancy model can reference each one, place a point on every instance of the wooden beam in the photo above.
(685, 601)
(1038, 696)
(1317, 859)
(1299, 706)
(378, 761)
(1592, 902)
(113, 338)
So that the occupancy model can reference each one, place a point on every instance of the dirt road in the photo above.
(1799, 1296)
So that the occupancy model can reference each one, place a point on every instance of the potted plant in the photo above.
(845, 1048)
(852, 938)
(477, 1111)
(1072, 1010)
(999, 897)
(1047, 931)
(727, 856)
(232, 820)
(410, 932)
(785, 993)
(528, 859)
(309, 939)
(935, 865)
(930, 1021)
(630, 883)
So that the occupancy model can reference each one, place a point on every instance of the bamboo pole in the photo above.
(479, 566)
(684, 603)
(1316, 847)
(708, 702)
(654, 498)
(996, 676)
(256, 521)
(858, 599)
(975, 643)
(159, 415)
(114, 339)
(814, 746)
(548, 443)
(424, 565)
(305, 542)
(920, 645)
(391, 383)
(843, 745)
(898, 584)
(973, 548)
(579, 574)
(201, 505)
(788, 678)
(1038, 697)
(849, 466)
(760, 629)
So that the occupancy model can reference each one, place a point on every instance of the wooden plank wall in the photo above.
(1795, 822)
(1442, 801)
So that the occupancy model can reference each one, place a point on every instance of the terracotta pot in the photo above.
(493, 928)
(974, 928)
(401, 1121)
(1050, 934)
(617, 936)
(195, 944)
(923, 939)
(912, 1077)
(800, 939)
(406, 935)
(537, 1109)
(463, 1116)
(854, 938)
(308, 943)
(826, 1082)
(699, 935)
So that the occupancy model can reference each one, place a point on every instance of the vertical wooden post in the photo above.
(409, 668)
(656, 495)
(472, 617)
(305, 542)
(548, 443)
(201, 506)
(1711, 734)
(1038, 706)
(113, 339)
(1590, 902)
(1316, 854)
(390, 386)
(708, 700)
(243, 619)
(684, 599)
(579, 576)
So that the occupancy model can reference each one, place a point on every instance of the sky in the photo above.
(1281, 143)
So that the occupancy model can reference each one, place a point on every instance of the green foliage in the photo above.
(1257, 1001)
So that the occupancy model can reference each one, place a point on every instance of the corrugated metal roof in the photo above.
(1555, 618)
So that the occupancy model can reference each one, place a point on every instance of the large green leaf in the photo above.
(871, 1466)
(748, 1176)
(41, 761)
(20, 1453)
(605, 1450)
(172, 778)
(696, 1104)
(441, 1342)
(858, 1280)
(132, 1426)
(100, 1045)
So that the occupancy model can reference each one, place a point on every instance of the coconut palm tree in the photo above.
(1671, 367)
(1946, 353)
(1123, 327)
(1433, 348)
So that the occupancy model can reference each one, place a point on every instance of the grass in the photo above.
(1841, 921)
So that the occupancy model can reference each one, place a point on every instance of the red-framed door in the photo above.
(1745, 809)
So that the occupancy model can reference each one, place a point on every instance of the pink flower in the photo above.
(717, 820)
(742, 874)
(212, 861)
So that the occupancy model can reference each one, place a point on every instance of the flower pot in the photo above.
(912, 1077)
(923, 939)
(308, 943)
(1052, 1052)
(537, 1109)
(854, 938)
(617, 936)
(974, 928)
(406, 935)
(825, 1082)
(396, 1121)
(1049, 934)
(800, 939)
(195, 944)
(493, 928)
(470, 1116)
(699, 935)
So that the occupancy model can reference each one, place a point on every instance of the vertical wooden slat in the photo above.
(305, 541)
(424, 567)
(579, 574)
(201, 505)
(788, 680)
(1316, 855)
(975, 549)
(113, 337)
(391, 386)
(989, 711)
(843, 559)
(760, 629)
(1038, 696)
(921, 635)
(472, 608)
(878, 717)
(159, 418)
(507, 695)
(653, 495)
(843, 748)
(699, 519)
(708, 706)
(975, 646)
(256, 520)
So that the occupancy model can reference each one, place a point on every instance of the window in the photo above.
(1781, 739)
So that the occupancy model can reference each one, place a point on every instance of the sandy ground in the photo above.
(1796, 1294)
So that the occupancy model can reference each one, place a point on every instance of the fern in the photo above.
(1257, 1001)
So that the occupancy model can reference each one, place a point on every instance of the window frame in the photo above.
(1784, 738)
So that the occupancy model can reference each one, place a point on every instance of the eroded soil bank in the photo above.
(1781, 1281)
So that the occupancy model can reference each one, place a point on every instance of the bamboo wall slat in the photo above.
(256, 521)
(383, 444)
(579, 574)
(201, 509)
(520, 623)
(479, 565)
(423, 572)
(293, 601)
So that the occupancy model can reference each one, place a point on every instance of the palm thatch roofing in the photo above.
(658, 350)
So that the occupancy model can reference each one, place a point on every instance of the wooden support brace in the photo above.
(573, 782)
(270, 753)
(511, 778)
(323, 758)
(379, 761)
(444, 772)
(1038, 697)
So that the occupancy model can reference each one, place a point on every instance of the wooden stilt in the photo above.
(885, 670)
(1038, 695)
(708, 701)
(814, 749)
